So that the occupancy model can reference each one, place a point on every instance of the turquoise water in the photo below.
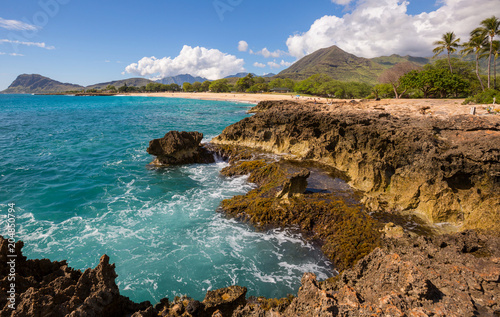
(76, 169)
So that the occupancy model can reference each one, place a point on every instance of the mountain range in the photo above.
(344, 66)
(136, 82)
(34, 83)
(181, 79)
(332, 61)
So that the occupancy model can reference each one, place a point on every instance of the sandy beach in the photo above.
(432, 107)
(238, 97)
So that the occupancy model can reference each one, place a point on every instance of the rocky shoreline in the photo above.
(416, 166)
(445, 170)
(446, 275)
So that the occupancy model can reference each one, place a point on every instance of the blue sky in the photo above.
(86, 42)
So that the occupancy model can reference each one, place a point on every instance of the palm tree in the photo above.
(488, 29)
(449, 43)
(475, 45)
(496, 53)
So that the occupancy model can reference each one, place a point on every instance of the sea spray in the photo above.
(76, 169)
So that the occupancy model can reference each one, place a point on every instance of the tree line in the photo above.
(452, 77)
(444, 78)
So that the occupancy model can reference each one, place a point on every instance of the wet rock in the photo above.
(162, 306)
(294, 185)
(393, 231)
(225, 300)
(45, 288)
(177, 309)
(195, 308)
(179, 148)
(321, 217)
(149, 312)
(447, 275)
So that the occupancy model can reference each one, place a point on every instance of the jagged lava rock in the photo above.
(224, 300)
(441, 169)
(449, 275)
(45, 288)
(179, 148)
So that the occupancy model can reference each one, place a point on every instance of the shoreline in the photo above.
(422, 269)
(234, 97)
(443, 108)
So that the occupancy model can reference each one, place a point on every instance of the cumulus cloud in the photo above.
(196, 61)
(16, 25)
(279, 65)
(267, 53)
(257, 64)
(37, 44)
(383, 27)
(242, 46)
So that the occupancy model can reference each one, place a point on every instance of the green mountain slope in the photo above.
(136, 82)
(336, 63)
(389, 61)
(33, 83)
(344, 66)
(181, 79)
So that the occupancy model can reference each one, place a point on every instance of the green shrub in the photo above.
(485, 97)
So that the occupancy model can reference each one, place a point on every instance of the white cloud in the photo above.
(11, 54)
(281, 64)
(267, 53)
(342, 2)
(16, 25)
(257, 64)
(37, 44)
(242, 46)
(273, 64)
(383, 27)
(196, 61)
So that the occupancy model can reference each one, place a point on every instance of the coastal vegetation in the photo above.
(468, 69)
(456, 76)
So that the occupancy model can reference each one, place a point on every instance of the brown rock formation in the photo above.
(224, 300)
(295, 184)
(450, 275)
(45, 288)
(179, 148)
(443, 169)
(344, 231)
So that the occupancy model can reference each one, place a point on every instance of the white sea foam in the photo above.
(178, 237)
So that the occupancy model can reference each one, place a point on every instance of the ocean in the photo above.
(76, 170)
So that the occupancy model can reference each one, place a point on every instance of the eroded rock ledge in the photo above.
(444, 169)
(448, 275)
